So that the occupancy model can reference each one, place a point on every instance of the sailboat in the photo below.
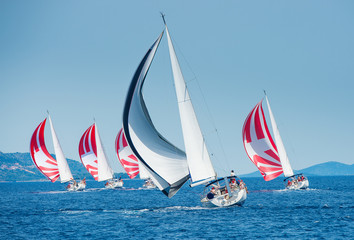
(167, 165)
(47, 165)
(130, 162)
(94, 158)
(268, 155)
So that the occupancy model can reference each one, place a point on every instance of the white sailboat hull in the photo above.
(114, 184)
(78, 187)
(81, 186)
(237, 197)
(149, 186)
(299, 185)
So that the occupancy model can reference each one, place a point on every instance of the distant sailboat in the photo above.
(270, 157)
(50, 167)
(168, 166)
(130, 162)
(94, 159)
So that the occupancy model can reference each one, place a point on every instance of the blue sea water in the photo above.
(44, 210)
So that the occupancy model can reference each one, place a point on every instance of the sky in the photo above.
(76, 59)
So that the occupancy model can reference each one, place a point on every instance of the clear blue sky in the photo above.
(76, 59)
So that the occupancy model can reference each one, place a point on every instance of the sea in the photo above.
(44, 210)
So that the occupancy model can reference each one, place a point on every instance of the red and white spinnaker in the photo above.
(259, 144)
(40, 155)
(127, 158)
(93, 156)
(50, 167)
(88, 151)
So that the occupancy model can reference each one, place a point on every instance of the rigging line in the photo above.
(199, 194)
(206, 105)
(191, 80)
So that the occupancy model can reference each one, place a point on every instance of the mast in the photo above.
(199, 163)
(288, 171)
(163, 18)
(64, 170)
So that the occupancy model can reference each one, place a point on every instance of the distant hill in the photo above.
(20, 167)
(329, 169)
(322, 169)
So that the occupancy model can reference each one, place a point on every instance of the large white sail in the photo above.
(199, 164)
(105, 172)
(288, 171)
(143, 172)
(165, 163)
(64, 170)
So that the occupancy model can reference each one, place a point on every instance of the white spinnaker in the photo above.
(105, 172)
(166, 164)
(64, 170)
(143, 172)
(288, 171)
(199, 163)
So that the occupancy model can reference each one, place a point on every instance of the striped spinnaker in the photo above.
(126, 156)
(40, 155)
(259, 144)
(88, 151)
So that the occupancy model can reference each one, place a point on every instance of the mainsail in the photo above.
(64, 170)
(92, 155)
(165, 163)
(288, 171)
(51, 168)
(260, 147)
(199, 164)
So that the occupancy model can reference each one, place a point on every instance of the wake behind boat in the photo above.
(168, 166)
(46, 164)
(268, 155)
